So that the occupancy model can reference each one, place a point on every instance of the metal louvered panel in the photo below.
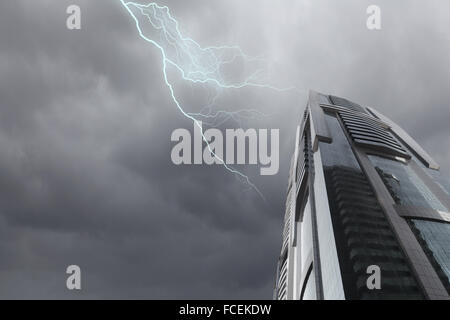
(287, 222)
(367, 131)
(334, 108)
(302, 162)
(370, 134)
(282, 282)
(407, 140)
(287, 227)
(346, 103)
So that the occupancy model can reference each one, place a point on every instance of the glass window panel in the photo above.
(404, 184)
(362, 234)
(437, 238)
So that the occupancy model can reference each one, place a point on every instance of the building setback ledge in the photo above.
(422, 213)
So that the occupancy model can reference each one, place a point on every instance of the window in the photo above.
(435, 239)
(404, 185)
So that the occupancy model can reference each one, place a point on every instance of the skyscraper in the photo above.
(364, 202)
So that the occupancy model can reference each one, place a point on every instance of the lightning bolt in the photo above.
(196, 65)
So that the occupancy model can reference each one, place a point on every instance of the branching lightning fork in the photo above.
(196, 65)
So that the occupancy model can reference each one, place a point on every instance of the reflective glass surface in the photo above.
(436, 236)
(363, 235)
(339, 152)
(404, 185)
(330, 269)
(440, 179)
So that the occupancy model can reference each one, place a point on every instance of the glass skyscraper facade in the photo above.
(362, 193)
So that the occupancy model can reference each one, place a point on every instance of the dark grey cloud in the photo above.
(85, 124)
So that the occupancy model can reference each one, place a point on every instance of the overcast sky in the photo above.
(86, 119)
